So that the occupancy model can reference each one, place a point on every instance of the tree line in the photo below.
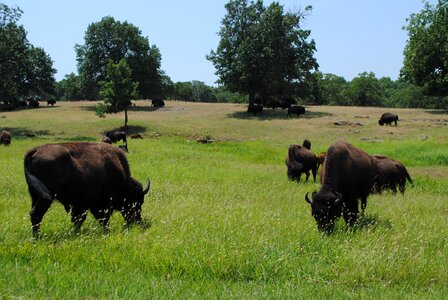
(264, 52)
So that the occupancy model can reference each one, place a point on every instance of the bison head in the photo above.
(380, 122)
(294, 170)
(132, 208)
(326, 207)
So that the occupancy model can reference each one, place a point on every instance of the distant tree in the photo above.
(24, 69)
(332, 89)
(364, 90)
(262, 50)
(183, 91)
(70, 88)
(117, 89)
(426, 52)
(113, 40)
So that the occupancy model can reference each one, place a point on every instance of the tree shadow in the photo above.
(437, 111)
(271, 114)
(131, 129)
(25, 132)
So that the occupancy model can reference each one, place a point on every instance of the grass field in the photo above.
(222, 220)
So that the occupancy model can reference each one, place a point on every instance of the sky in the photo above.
(352, 36)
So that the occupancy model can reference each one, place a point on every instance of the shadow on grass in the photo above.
(131, 129)
(25, 132)
(270, 114)
(372, 222)
(438, 112)
(130, 109)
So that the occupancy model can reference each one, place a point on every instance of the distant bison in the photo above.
(82, 176)
(116, 136)
(348, 175)
(255, 109)
(106, 140)
(5, 138)
(296, 110)
(51, 102)
(157, 103)
(388, 118)
(320, 159)
(136, 136)
(390, 174)
(33, 103)
(300, 160)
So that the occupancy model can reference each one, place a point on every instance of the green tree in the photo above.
(117, 89)
(332, 89)
(24, 69)
(114, 40)
(426, 52)
(262, 50)
(70, 88)
(364, 90)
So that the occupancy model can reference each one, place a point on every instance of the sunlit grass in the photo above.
(222, 220)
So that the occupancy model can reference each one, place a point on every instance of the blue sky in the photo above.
(352, 36)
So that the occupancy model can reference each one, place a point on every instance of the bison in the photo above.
(157, 103)
(5, 138)
(82, 176)
(320, 159)
(348, 175)
(255, 109)
(106, 140)
(388, 118)
(51, 102)
(33, 103)
(390, 174)
(300, 160)
(296, 110)
(116, 136)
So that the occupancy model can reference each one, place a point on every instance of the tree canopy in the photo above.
(25, 70)
(113, 40)
(426, 52)
(263, 50)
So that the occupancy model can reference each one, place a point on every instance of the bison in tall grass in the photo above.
(82, 176)
(300, 160)
(391, 173)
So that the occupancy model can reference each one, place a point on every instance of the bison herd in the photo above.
(348, 174)
(96, 177)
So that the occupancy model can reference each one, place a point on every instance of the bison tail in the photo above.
(408, 176)
(33, 182)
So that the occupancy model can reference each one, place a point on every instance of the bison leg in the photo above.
(78, 217)
(363, 204)
(38, 209)
(102, 215)
(307, 173)
(314, 170)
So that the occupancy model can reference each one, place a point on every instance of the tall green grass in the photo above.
(223, 221)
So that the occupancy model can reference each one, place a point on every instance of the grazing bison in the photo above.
(116, 136)
(390, 174)
(296, 110)
(388, 118)
(5, 138)
(33, 103)
(157, 103)
(136, 136)
(106, 140)
(82, 176)
(255, 109)
(300, 160)
(51, 102)
(307, 144)
(348, 175)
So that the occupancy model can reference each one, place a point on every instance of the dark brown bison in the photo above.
(296, 110)
(300, 160)
(347, 175)
(255, 109)
(51, 102)
(390, 174)
(82, 176)
(116, 136)
(388, 118)
(5, 138)
(33, 103)
(106, 140)
(157, 103)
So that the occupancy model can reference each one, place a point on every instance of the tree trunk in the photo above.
(126, 117)
(251, 98)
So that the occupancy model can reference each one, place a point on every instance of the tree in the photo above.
(113, 40)
(426, 52)
(117, 89)
(364, 90)
(262, 50)
(24, 69)
(332, 89)
(70, 88)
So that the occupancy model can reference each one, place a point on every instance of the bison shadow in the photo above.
(131, 129)
(437, 111)
(271, 114)
(25, 132)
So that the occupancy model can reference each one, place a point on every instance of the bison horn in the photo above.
(308, 199)
(148, 185)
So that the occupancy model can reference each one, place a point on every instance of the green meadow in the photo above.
(222, 220)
